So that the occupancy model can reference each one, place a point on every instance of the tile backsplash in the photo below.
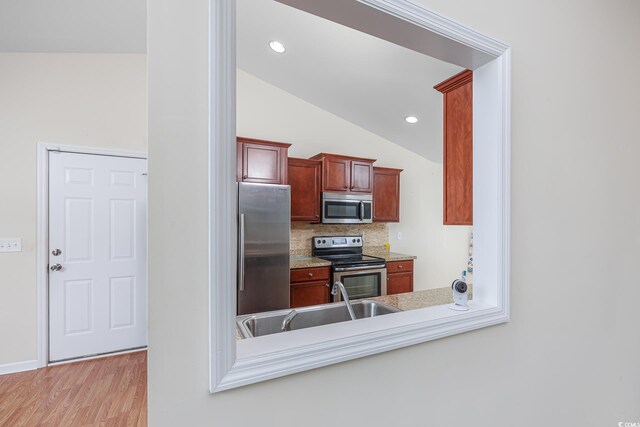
(375, 235)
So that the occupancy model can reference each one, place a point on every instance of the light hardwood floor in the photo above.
(108, 392)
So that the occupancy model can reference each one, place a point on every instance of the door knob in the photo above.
(56, 252)
(55, 267)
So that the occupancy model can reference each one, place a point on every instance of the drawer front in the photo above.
(399, 266)
(309, 274)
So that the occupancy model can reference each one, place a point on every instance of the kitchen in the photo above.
(292, 131)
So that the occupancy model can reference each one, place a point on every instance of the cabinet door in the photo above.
(399, 283)
(386, 194)
(309, 293)
(336, 173)
(458, 149)
(263, 163)
(304, 179)
(361, 177)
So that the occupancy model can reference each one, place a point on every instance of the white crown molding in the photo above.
(439, 24)
(233, 364)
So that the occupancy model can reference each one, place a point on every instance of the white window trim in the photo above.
(236, 363)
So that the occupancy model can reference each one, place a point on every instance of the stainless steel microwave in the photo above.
(342, 208)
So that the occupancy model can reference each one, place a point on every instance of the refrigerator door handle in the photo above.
(241, 254)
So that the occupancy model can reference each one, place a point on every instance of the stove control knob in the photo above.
(317, 242)
(354, 240)
(324, 241)
(358, 240)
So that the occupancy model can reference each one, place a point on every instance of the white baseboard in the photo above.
(10, 368)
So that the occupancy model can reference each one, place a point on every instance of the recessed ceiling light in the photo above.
(411, 119)
(276, 46)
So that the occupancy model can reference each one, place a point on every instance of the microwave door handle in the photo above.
(241, 254)
(361, 211)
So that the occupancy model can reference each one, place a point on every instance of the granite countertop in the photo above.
(388, 256)
(307, 262)
(421, 299)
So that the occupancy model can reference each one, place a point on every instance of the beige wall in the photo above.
(77, 99)
(267, 112)
(569, 355)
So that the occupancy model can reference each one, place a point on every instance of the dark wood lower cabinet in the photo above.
(309, 293)
(309, 286)
(399, 277)
(400, 283)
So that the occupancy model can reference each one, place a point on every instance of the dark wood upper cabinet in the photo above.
(346, 174)
(458, 148)
(361, 176)
(262, 162)
(336, 174)
(386, 194)
(305, 181)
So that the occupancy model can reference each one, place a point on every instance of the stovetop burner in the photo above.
(352, 259)
(343, 251)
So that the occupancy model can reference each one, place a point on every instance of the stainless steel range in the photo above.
(363, 276)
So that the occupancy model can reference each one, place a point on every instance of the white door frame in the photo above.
(42, 236)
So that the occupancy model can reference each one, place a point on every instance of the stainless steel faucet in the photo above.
(334, 290)
(286, 322)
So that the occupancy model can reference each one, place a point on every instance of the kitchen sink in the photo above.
(255, 325)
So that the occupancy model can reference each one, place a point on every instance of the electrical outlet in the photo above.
(10, 244)
(399, 235)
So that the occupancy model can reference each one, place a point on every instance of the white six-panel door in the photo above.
(97, 254)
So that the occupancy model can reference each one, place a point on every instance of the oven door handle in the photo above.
(363, 267)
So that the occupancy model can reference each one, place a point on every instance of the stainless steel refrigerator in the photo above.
(264, 229)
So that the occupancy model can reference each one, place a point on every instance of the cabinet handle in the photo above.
(327, 285)
(346, 187)
(400, 266)
(317, 216)
(310, 274)
(244, 176)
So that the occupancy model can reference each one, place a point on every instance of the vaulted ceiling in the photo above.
(370, 82)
